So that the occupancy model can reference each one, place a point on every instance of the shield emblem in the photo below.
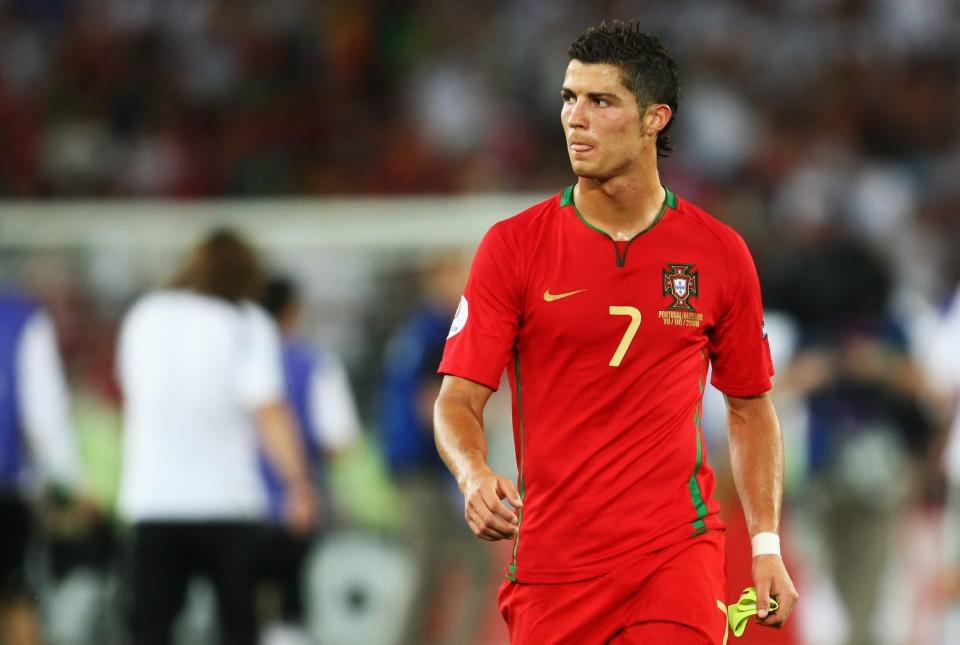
(680, 287)
(680, 282)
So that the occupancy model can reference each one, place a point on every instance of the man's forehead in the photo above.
(593, 77)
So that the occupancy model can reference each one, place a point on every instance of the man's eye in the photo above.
(603, 102)
(569, 98)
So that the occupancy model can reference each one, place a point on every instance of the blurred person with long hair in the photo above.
(606, 304)
(200, 368)
(319, 393)
(37, 446)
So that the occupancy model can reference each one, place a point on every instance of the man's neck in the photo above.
(623, 206)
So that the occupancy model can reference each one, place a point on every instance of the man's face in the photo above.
(601, 121)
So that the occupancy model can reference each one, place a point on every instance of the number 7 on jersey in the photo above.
(628, 335)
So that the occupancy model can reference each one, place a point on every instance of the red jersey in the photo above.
(607, 346)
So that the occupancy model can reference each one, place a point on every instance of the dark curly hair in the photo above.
(647, 68)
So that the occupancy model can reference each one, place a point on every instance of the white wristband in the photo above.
(765, 544)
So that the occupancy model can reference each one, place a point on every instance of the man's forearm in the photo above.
(756, 458)
(458, 432)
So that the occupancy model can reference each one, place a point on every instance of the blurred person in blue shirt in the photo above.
(412, 356)
(434, 529)
(37, 450)
(320, 396)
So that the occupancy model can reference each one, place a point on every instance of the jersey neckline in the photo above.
(669, 201)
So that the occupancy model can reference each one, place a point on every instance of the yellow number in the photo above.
(634, 314)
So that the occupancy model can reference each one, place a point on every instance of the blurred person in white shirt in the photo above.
(200, 368)
(943, 372)
(38, 450)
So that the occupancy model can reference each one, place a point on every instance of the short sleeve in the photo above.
(259, 370)
(45, 402)
(739, 349)
(942, 361)
(485, 327)
(332, 407)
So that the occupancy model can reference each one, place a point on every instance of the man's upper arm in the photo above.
(463, 392)
(488, 320)
(746, 403)
(739, 349)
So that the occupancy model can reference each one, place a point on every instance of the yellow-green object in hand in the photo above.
(740, 612)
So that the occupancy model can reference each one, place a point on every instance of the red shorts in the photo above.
(674, 595)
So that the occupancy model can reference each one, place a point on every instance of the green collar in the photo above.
(670, 201)
(566, 199)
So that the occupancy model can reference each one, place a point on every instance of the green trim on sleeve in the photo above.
(696, 495)
(512, 571)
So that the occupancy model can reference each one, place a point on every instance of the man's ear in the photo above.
(656, 117)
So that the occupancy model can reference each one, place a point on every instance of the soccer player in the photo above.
(607, 303)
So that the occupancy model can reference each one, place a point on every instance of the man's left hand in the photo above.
(771, 579)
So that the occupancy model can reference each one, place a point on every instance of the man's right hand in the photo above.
(486, 515)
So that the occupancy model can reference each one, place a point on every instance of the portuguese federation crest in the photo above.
(680, 282)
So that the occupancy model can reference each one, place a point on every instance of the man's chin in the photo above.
(587, 171)
(583, 169)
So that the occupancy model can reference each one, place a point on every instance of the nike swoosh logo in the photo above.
(550, 297)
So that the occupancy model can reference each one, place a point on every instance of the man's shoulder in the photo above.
(708, 223)
(532, 215)
(529, 221)
(162, 301)
(148, 301)
(172, 304)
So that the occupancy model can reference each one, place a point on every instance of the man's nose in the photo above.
(577, 117)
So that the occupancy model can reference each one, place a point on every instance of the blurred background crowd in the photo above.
(827, 132)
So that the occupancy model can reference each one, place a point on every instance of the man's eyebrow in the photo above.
(592, 95)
